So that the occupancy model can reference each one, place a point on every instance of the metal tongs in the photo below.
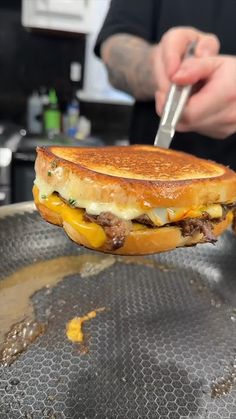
(176, 100)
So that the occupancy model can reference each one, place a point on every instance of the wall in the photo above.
(29, 60)
(96, 84)
(109, 109)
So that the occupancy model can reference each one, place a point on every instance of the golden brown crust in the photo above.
(140, 242)
(47, 214)
(141, 176)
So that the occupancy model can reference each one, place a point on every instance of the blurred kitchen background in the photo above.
(53, 90)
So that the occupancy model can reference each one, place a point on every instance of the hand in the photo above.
(168, 53)
(212, 110)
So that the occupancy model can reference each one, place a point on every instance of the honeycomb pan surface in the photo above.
(167, 335)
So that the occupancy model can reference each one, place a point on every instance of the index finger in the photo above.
(174, 45)
(175, 42)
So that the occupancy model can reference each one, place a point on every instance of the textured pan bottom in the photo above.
(162, 348)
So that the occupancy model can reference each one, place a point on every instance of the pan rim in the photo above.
(20, 207)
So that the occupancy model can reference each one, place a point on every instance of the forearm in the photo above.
(130, 65)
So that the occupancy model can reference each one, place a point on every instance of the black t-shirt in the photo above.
(150, 19)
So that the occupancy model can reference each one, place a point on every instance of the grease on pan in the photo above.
(18, 325)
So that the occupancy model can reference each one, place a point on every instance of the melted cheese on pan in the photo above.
(74, 328)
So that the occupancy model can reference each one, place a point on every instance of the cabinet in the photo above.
(61, 15)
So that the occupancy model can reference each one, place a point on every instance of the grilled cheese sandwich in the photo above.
(82, 189)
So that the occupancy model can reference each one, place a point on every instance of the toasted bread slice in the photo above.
(141, 177)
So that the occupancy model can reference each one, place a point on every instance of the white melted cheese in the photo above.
(159, 216)
(91, 207)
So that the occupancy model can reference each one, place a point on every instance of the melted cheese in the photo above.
(159, 216)
(74, 329)
(94, 233)
(91, 207)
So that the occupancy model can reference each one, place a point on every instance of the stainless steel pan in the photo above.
(163, 348)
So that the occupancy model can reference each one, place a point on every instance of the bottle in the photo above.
(73, 108)
(34, 114)
(52, 116)
(44, 98)
(72, 117)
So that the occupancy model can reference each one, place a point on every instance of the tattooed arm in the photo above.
(129, 64)
(141, 69)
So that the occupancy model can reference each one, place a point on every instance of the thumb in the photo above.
(195, 69)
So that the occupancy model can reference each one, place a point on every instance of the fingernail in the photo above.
(204, 52)
(181, 73)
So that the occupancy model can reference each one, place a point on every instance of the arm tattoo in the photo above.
(129, 65)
